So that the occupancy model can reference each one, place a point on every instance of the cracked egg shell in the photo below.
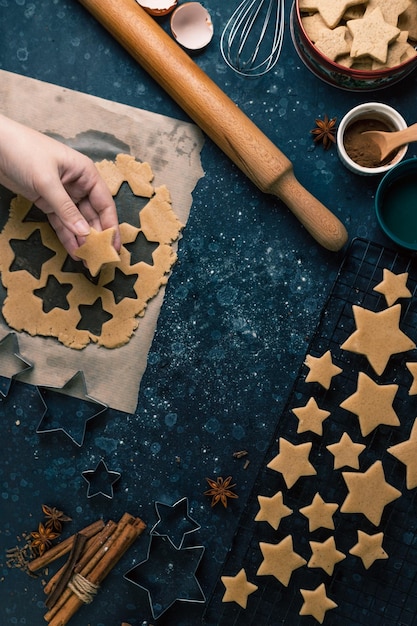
(158, 7)
(191, 26)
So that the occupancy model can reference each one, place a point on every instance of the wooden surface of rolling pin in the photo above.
(216, 114)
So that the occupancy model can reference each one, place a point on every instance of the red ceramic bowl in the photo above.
(338, 75)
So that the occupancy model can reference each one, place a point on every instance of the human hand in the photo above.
(61, 181)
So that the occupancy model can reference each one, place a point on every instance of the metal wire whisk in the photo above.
(252, 39)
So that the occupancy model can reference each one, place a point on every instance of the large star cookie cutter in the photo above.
(168, 574)
(174, 521)
(100, 480)
(69, 408)
(11, 362)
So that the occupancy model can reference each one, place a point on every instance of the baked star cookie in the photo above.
(319, 513)
(371, 36)
(310, 417)
(378, 336)
(369, 493)
(369, 548)
(372, 403)
(316, 603)
(393, 286)
(272, 510)
(322, 369)
(346, 452)
(292, 461)
(238, 588)
(279, 560)
(406, 452)
(330, 10)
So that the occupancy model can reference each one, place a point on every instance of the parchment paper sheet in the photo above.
(172, 148)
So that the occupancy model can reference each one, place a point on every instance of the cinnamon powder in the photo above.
(361, 149)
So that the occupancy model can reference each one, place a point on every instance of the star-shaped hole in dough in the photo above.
(369, 493)
(372, 403)
(378, 336)
(316, 603)
(330, 10)
(393, 286)
(279, 560)
(406, 452)
(412, 368)
(319, 513)
(238, 588)
(369, 548)
(371, 36)
(98, 250)
(325, 555)
(100, 480)
(292, 461)
(346, 452)
(310, 417)
(322, 369)
(272, 510)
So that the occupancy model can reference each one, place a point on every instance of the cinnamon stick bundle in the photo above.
(95, 570)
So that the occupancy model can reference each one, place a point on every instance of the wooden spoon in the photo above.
(389, 141)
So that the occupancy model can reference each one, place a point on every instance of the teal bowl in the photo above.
(396, 204)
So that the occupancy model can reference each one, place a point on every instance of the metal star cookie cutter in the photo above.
(168, 574)
(174, 521)
(101, 479)
(69, 415)
(11, 362)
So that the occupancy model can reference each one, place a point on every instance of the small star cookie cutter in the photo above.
(12, 364)
(174, 522)
(100, 480)
(168, 574)
(72, 414)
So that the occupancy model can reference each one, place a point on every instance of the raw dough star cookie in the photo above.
(369, 493)
(319, 513)
(272, 510)
(372, 403)
(292, 461)
(393, 286)
(378, 336)
(406, 452)
(310, 417)
(98, 250)
(322, 369)
(280, 560)
(346, 452)
(369, 548)
(316, 603)
(412, 368)
(324, 555)
(48, 294)
(238, 588)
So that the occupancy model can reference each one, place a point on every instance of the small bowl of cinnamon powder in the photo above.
(359, 153)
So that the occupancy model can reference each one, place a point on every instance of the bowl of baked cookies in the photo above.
(370, 45)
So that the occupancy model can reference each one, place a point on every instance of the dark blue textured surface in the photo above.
(242, 303)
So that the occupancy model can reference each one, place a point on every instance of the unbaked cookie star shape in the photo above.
(319, 513)
(369, 493)
(322, 369)
(369, 548)
(372, 403)
(325, 555)
(378, 336)
(371, 36)
(292, 461)
(406, 452)
(272, 510)
(331, 10)
(316, 603)
(98, 250)
(238, 588)
(412, 368)
(280, 560)
(346, 452)
(393, 286)
(310, 417)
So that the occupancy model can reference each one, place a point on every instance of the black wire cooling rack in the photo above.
(386, 593)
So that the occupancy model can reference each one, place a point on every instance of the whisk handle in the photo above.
(215, 113)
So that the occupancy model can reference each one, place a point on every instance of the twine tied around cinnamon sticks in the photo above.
(94, 552)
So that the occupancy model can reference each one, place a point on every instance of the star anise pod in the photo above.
(42, 538)
(54, 517)
(324, 132)
(220, 490)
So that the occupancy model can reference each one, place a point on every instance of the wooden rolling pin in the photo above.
(216, 114)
